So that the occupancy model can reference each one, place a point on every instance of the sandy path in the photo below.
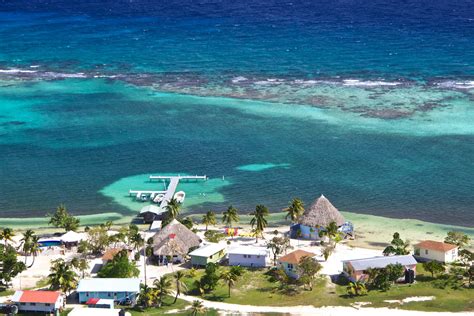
(314, 311)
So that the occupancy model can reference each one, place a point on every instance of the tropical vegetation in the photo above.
(259, 220)
(62, 219)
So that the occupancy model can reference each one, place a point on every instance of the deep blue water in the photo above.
(399, 151)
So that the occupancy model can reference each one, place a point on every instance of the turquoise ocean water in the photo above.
(371, 104)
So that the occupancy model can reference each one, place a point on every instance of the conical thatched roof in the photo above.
(321, 213)
(174, 239)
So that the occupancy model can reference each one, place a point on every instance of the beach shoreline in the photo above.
(372, 231)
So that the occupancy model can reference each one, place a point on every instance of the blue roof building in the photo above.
(120, 290)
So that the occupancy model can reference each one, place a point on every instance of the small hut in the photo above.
(319, 215)
(71, 239)
(174, 242)
(151, 213)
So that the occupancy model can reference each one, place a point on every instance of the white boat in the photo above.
(179, 196)
(138, 196)
(158, 198)
(143, 197)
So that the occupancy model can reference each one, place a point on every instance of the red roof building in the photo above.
(436, 250)
(38, 301)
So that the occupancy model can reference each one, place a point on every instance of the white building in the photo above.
(437, 251)
(38, 301)
(248, 256)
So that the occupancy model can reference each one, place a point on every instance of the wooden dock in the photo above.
(145, 192)
(180, 178)
(171, 189)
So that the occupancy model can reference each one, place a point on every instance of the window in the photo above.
(245, 256)
(22, 304)
(109, 295)
(33, 304)
(426, 251)
(258, 257)
(47, 304)
(249, 256)
(87, 294)
(290, 266)
(211, 257)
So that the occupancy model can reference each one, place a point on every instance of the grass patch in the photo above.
(6, 292)
(445, 299)
(166, 307)
(256, 288)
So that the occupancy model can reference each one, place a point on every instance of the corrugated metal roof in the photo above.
(381, 262)
(207, 250)
(36, 296)
(152, 209)
(109, 285)
(248, 250)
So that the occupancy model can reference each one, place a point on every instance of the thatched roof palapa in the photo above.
(321, 214)
(174, 239)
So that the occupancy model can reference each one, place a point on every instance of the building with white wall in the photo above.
(436, 250)
(248, 256)
(38, 301)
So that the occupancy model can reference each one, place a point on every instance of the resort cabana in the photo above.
(319, 215)
(151, 213)
(71, 239)
(174, 242)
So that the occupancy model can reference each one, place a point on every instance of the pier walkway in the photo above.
(170, 190)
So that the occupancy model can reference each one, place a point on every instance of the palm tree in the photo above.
(356, 288)
(163, 286)
(136, 241)
(80, 264)
(34, 248)
(61, 276)
(173, 207)
(209, 219)
(397, 246)
(230, 216)
(198, 285)
(332, 232)
(7, 235)
(197, 308)
(108, 224)
(229, 278)
(26, 242)
(259, 220)
(180, 285)
(294, 210)
(148, 295)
